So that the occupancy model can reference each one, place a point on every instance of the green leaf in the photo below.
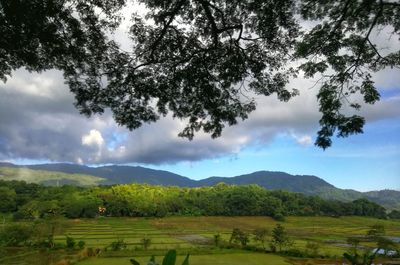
(134, 262)
(186, 261)
(170, 258)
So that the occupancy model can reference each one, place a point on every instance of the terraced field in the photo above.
(194, 235)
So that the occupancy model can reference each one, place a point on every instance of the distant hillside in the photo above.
(48, 178)
(52, 174)
(116, 174)
(273, 181)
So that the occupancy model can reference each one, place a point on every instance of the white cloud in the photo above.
(304, 140)
(93, 138)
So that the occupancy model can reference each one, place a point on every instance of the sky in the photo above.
(38, 124)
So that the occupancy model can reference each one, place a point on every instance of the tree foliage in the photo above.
(49, 203)
(260, 235)
(341, 48)
(280, 238)
(203, 61)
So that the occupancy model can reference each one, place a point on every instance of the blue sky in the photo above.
(369, 161)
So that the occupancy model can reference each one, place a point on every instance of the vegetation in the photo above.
(183, 234)
(239, 237)
(48, 178)
(62, 174)
(169, 259)
(375, 234)
(280, 238)
(260, 235)
(146, 241)
(33, 202)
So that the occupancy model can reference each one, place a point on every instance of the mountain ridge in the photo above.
(272, 180)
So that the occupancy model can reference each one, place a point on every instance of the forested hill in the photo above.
(273, 181)
(108, 175)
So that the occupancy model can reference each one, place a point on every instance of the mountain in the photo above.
(273, 181)
(53, 174)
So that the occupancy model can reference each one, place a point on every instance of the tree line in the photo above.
(33, 201)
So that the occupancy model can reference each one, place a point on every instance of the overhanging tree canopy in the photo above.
(202, 60)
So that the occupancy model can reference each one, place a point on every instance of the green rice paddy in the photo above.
(194, 235)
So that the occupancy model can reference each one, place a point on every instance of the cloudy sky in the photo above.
(38, 123)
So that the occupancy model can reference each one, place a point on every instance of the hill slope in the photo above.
(273, 181)
(115, 174)
(52, 174)
(48, 178)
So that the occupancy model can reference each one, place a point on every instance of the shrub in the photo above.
(70, 242)
(260, 235)
(169, 259)
(238, 236)
(15, 235)
(81, 244)
(279, 217)
(120, 244)
(217, 240)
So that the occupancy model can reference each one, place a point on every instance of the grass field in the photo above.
(216, 259)
(194, 235)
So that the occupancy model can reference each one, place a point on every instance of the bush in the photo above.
(15, 235)
(294, 252)
(238, 236)
(81, 244)
(169, 259)
(217, 240)
(70, 242)
(279, 217)
(118, 245)
(91, 252)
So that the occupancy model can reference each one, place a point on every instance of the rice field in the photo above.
(194, 235)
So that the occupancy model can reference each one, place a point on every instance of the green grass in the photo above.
(217, 259)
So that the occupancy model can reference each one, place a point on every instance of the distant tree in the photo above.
(280, 238)
(260, 235)
(354, 242)
(197, 58)
(239, 237)
(7, 200)
(70, 242)
(120, 244)
(376, 231)
(30, 210)
(81, 244)
(217, 240)
(364, 207)
(395, 214)
(146, 242)
(15, 235)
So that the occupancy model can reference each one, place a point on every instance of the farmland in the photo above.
(194, 235)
